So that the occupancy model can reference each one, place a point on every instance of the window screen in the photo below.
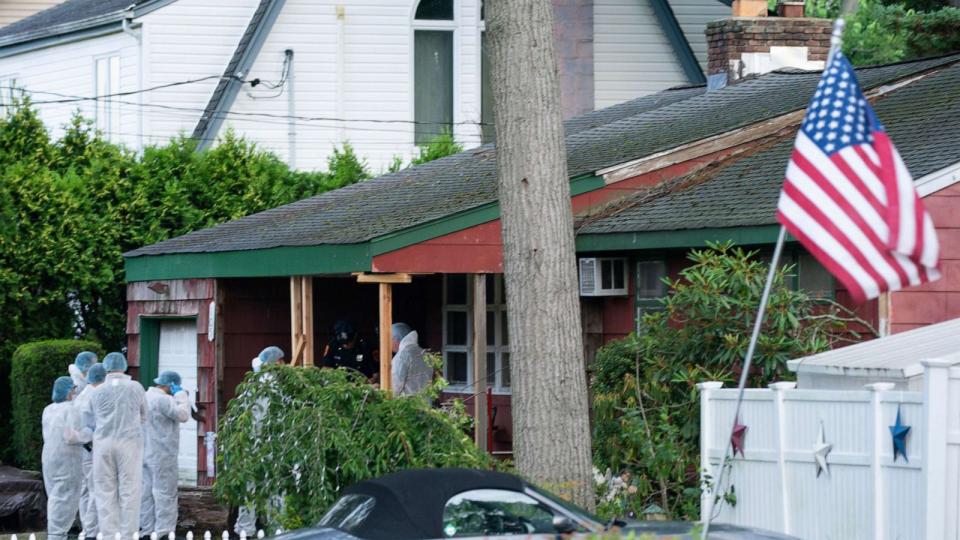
(433, 83)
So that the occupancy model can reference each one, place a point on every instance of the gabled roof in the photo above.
(467, 181)
(743, 191)
(899, 355)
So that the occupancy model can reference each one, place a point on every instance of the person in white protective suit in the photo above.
(168, 405)
(88, 505)
(60, 460)
(118, 410)
(247, 515)
(409, 372)
(78, 369)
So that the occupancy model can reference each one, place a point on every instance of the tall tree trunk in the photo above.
(551, 433)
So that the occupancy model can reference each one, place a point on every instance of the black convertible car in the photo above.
(462, 503)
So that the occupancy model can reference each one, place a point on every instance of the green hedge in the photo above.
(35, 366)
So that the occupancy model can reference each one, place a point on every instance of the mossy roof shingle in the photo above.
(919, 118)
(467, 180)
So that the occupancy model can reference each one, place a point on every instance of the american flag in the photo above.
(849, 198)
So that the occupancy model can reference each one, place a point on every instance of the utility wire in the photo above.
(108, 98)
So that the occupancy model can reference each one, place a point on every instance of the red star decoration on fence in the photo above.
(736, 440)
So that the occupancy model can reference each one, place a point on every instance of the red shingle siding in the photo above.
(938, 301)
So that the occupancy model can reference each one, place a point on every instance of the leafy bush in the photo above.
(881, 33)
(646, 405)
(441, 146)
(35, 366)
(303, 434)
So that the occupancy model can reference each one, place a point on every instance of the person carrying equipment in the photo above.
(168, 406)
(118, 410)
(60, 460)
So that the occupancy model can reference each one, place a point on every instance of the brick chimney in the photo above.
(754, 44)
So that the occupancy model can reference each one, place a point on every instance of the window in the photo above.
(495, 512)
(812, 277)
(8, 90)
(433, 69)
(107, 81)
(486, 92)
(458, 333)
(650, 287)
(348, 513)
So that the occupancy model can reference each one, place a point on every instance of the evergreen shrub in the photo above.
(34, 368)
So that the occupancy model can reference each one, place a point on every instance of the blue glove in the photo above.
(174, 388)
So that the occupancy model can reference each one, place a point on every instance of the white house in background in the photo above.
(896, 359)
(300, 76)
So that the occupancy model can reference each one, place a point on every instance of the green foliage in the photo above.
(300, 435)
(646, 404)
(881, 33)
(35, 366)
(441, 146)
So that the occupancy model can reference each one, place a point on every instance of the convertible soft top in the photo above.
(410, 503)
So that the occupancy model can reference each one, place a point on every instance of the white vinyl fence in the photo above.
(865, 493)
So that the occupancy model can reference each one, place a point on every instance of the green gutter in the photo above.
(690, 238)
(282, 261)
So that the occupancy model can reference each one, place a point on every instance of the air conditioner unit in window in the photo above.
(603, 276)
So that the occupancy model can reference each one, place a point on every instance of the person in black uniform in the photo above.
(348, 350)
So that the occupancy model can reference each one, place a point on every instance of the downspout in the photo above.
(291, 113)
(127, 26)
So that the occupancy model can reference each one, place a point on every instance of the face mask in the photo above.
(344, 336)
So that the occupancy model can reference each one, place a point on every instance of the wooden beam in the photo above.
(295, 320)
(383, 278)
(386, 321)
(480, 360)
(306, 289)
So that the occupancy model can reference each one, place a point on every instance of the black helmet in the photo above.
(344, 331)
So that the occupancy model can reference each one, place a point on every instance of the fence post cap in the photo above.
(710, 385)
(880, 386)
(939, 362)
(782, 385)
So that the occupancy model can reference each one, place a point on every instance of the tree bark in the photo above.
(551, 433)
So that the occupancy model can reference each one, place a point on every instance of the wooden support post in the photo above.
(480, 360)
(386, 321)
(296, 324)
(306, 289)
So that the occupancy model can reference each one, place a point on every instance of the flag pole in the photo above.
(835, 42)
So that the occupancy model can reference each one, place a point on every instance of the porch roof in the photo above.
(340, 231)
(742, 192)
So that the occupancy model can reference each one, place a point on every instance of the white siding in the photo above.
(185, 40)
(14, 10)
(68, 70)
(632, 56)
(376, 61)
(693, 16)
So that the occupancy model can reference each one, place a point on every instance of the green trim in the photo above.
(282, 261)
(763, 234)
(149, 350)
(463, 220)
(322, 259)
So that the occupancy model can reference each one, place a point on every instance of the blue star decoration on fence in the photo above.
(736, 439)
(899, 432)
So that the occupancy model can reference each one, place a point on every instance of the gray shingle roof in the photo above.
(745, 191)
(52, 21)
(468, 180)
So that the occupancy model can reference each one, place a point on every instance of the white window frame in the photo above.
(106, 112)
(8, 82)
(445, 26)
(499, 348)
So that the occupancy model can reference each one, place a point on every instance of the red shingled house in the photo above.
(650, 179)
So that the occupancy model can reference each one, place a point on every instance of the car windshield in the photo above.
(348, 513)
(581, 514)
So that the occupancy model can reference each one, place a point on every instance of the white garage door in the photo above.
(178, 352)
